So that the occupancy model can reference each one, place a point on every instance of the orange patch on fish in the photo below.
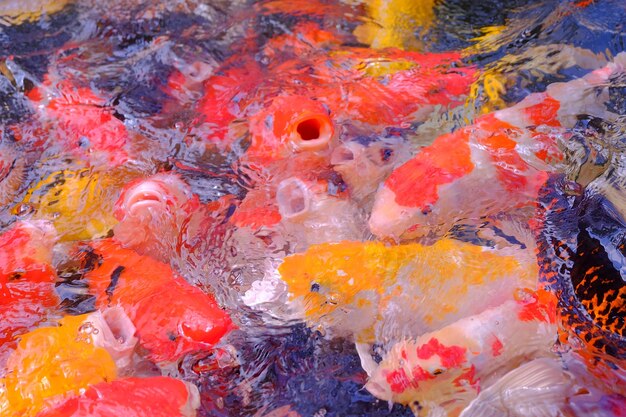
(537, 305)
(447, 159)
(511, 169)
(545, 112)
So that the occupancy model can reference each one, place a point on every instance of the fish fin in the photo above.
(367, 362)
(538, 388)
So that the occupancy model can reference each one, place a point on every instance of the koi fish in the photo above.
(442, 371)
(27, 279)
(187, 320)
(393, 23)
(157, 396)
(84, 123)
(581, 243)
(495, 165)
(51, 362)
(78, 202)
(368, 289)
(161, 217)
(387, 88)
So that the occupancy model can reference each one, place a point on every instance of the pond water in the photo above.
(312, 208)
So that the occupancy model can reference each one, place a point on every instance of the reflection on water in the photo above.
(405, 208)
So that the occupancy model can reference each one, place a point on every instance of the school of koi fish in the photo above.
(285, 208)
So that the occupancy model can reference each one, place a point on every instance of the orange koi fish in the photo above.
(52, 362)
(444, 370)
(83, 121)
(27, 279)
(131, 397)
(387, 87)
(382, 293)
(169, 327)
(492, 166)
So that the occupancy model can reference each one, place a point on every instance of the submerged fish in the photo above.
(27, 278)
(79, 203)
(495, 165)
(82, 122)
(442, 371)
(12, 173)
(185, 321)
(131, 397)
(384, 293)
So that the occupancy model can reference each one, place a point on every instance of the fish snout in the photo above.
(311, 132)
(293, 198)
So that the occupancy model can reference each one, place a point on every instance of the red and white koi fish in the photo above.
(82, 122)
(494, 165)
(444, 370)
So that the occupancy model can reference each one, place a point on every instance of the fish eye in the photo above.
(315, 287)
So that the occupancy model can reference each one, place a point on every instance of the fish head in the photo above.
(339, 285)
(364, 162)
(422, 373)
(411, 197)
(288, 125)
(157, 206)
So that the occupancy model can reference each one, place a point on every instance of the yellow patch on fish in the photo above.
(393, 23)
(79, 203)
(332, 279)
(487, 91)
(50, 362)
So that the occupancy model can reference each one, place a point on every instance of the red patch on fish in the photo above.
(129, 397)
(420, 374)
(84, 121)
(398, 380)
(468, 378)
(447, 159)
(27, 284)
(538, 306)
(450, 356)
(545, 112)
(496, 347)
(512, 170)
